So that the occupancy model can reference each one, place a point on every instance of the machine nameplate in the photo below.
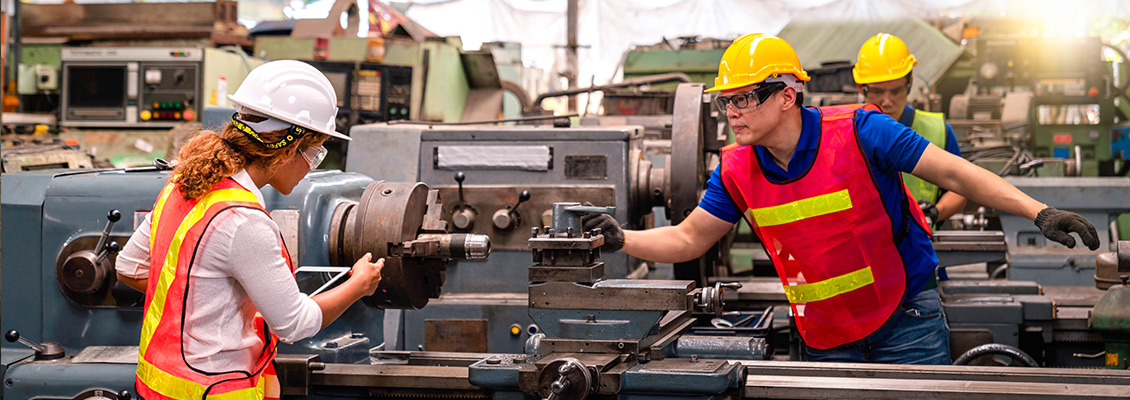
(586, 166)
(511, 158)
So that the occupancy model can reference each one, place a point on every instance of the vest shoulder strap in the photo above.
(931, 126)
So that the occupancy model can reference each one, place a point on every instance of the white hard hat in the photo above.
(292, 91)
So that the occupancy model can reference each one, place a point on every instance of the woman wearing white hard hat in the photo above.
(216, 274)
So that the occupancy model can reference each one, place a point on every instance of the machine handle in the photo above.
(508, 218)
(459, 178)
(111, 217)
(590, 210)
(13, 336)
(522, 198)
(109, 248)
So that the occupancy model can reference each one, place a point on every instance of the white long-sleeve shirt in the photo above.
(238, 269)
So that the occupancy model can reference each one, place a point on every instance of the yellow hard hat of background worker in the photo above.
(755, 57)
(883, 57)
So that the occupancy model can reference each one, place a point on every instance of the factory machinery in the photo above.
(579, 329)
(1026, 112)
(501, 181)
(598, 338)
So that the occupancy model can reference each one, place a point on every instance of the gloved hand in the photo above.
(613, 235)
(930, 209)
(1058, 224)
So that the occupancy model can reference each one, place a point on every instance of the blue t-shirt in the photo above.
(907, 119)
(890, 148)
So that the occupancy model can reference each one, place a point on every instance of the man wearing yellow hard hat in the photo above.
(822, 189)
(883, 74)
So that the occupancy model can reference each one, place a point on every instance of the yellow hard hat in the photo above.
(883, 57)
(755, 57)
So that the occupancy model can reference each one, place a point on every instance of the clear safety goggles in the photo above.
(314, 156)
(742, 101)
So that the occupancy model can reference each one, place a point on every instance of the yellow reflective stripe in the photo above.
(179, 388)
(168, 269)
(829, 288)
(801, 209)
(156, 213)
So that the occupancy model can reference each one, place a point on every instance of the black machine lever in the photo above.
(508, 218)
(102, 248)
(459, 177)
(522, 198)
(43, 351)
(13, 336)
(462, 215)
(87, 271)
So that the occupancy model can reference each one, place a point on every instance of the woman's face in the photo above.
(287, 176)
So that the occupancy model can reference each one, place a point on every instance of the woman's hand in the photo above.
(363, 281)
(366, 275)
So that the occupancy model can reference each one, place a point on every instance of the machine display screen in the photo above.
(1068, 114)
(96, 86)
(339, 81)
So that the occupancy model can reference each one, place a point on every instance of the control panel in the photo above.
(130, 86)
(169, 92)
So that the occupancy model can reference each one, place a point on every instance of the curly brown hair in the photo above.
(211, 157)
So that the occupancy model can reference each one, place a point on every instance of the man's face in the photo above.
(890, 96)
(754, 121)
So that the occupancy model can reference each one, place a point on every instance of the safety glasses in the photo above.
(742, 100)
(314, 156)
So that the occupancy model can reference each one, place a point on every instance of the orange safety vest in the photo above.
(827, 233)
(162, 370)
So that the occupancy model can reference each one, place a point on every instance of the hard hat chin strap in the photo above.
(293, 133)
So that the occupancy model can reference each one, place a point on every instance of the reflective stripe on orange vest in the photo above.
(829, 288)
(802, 209)
(179, 388)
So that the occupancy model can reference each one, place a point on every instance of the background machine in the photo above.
(502, 181)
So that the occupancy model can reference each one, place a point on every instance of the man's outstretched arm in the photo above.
(669, 244)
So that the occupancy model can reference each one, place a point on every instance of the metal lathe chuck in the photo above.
(402, 223)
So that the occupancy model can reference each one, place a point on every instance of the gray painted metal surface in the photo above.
(63, 379)
(21, 196)
(1034, 258)
(408, 152)
(500, 310)
(389, 152)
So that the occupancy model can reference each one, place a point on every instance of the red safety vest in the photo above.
(827, 233)
(162, 372)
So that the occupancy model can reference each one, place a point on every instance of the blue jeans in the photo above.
(916, 333)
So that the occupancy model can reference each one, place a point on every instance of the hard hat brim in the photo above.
(249, 105)
(880, 78)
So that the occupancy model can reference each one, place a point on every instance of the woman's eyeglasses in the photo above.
(314, 156)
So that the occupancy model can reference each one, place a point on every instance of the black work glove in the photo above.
(1058, 224)
(613, 235)
(930, 210)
